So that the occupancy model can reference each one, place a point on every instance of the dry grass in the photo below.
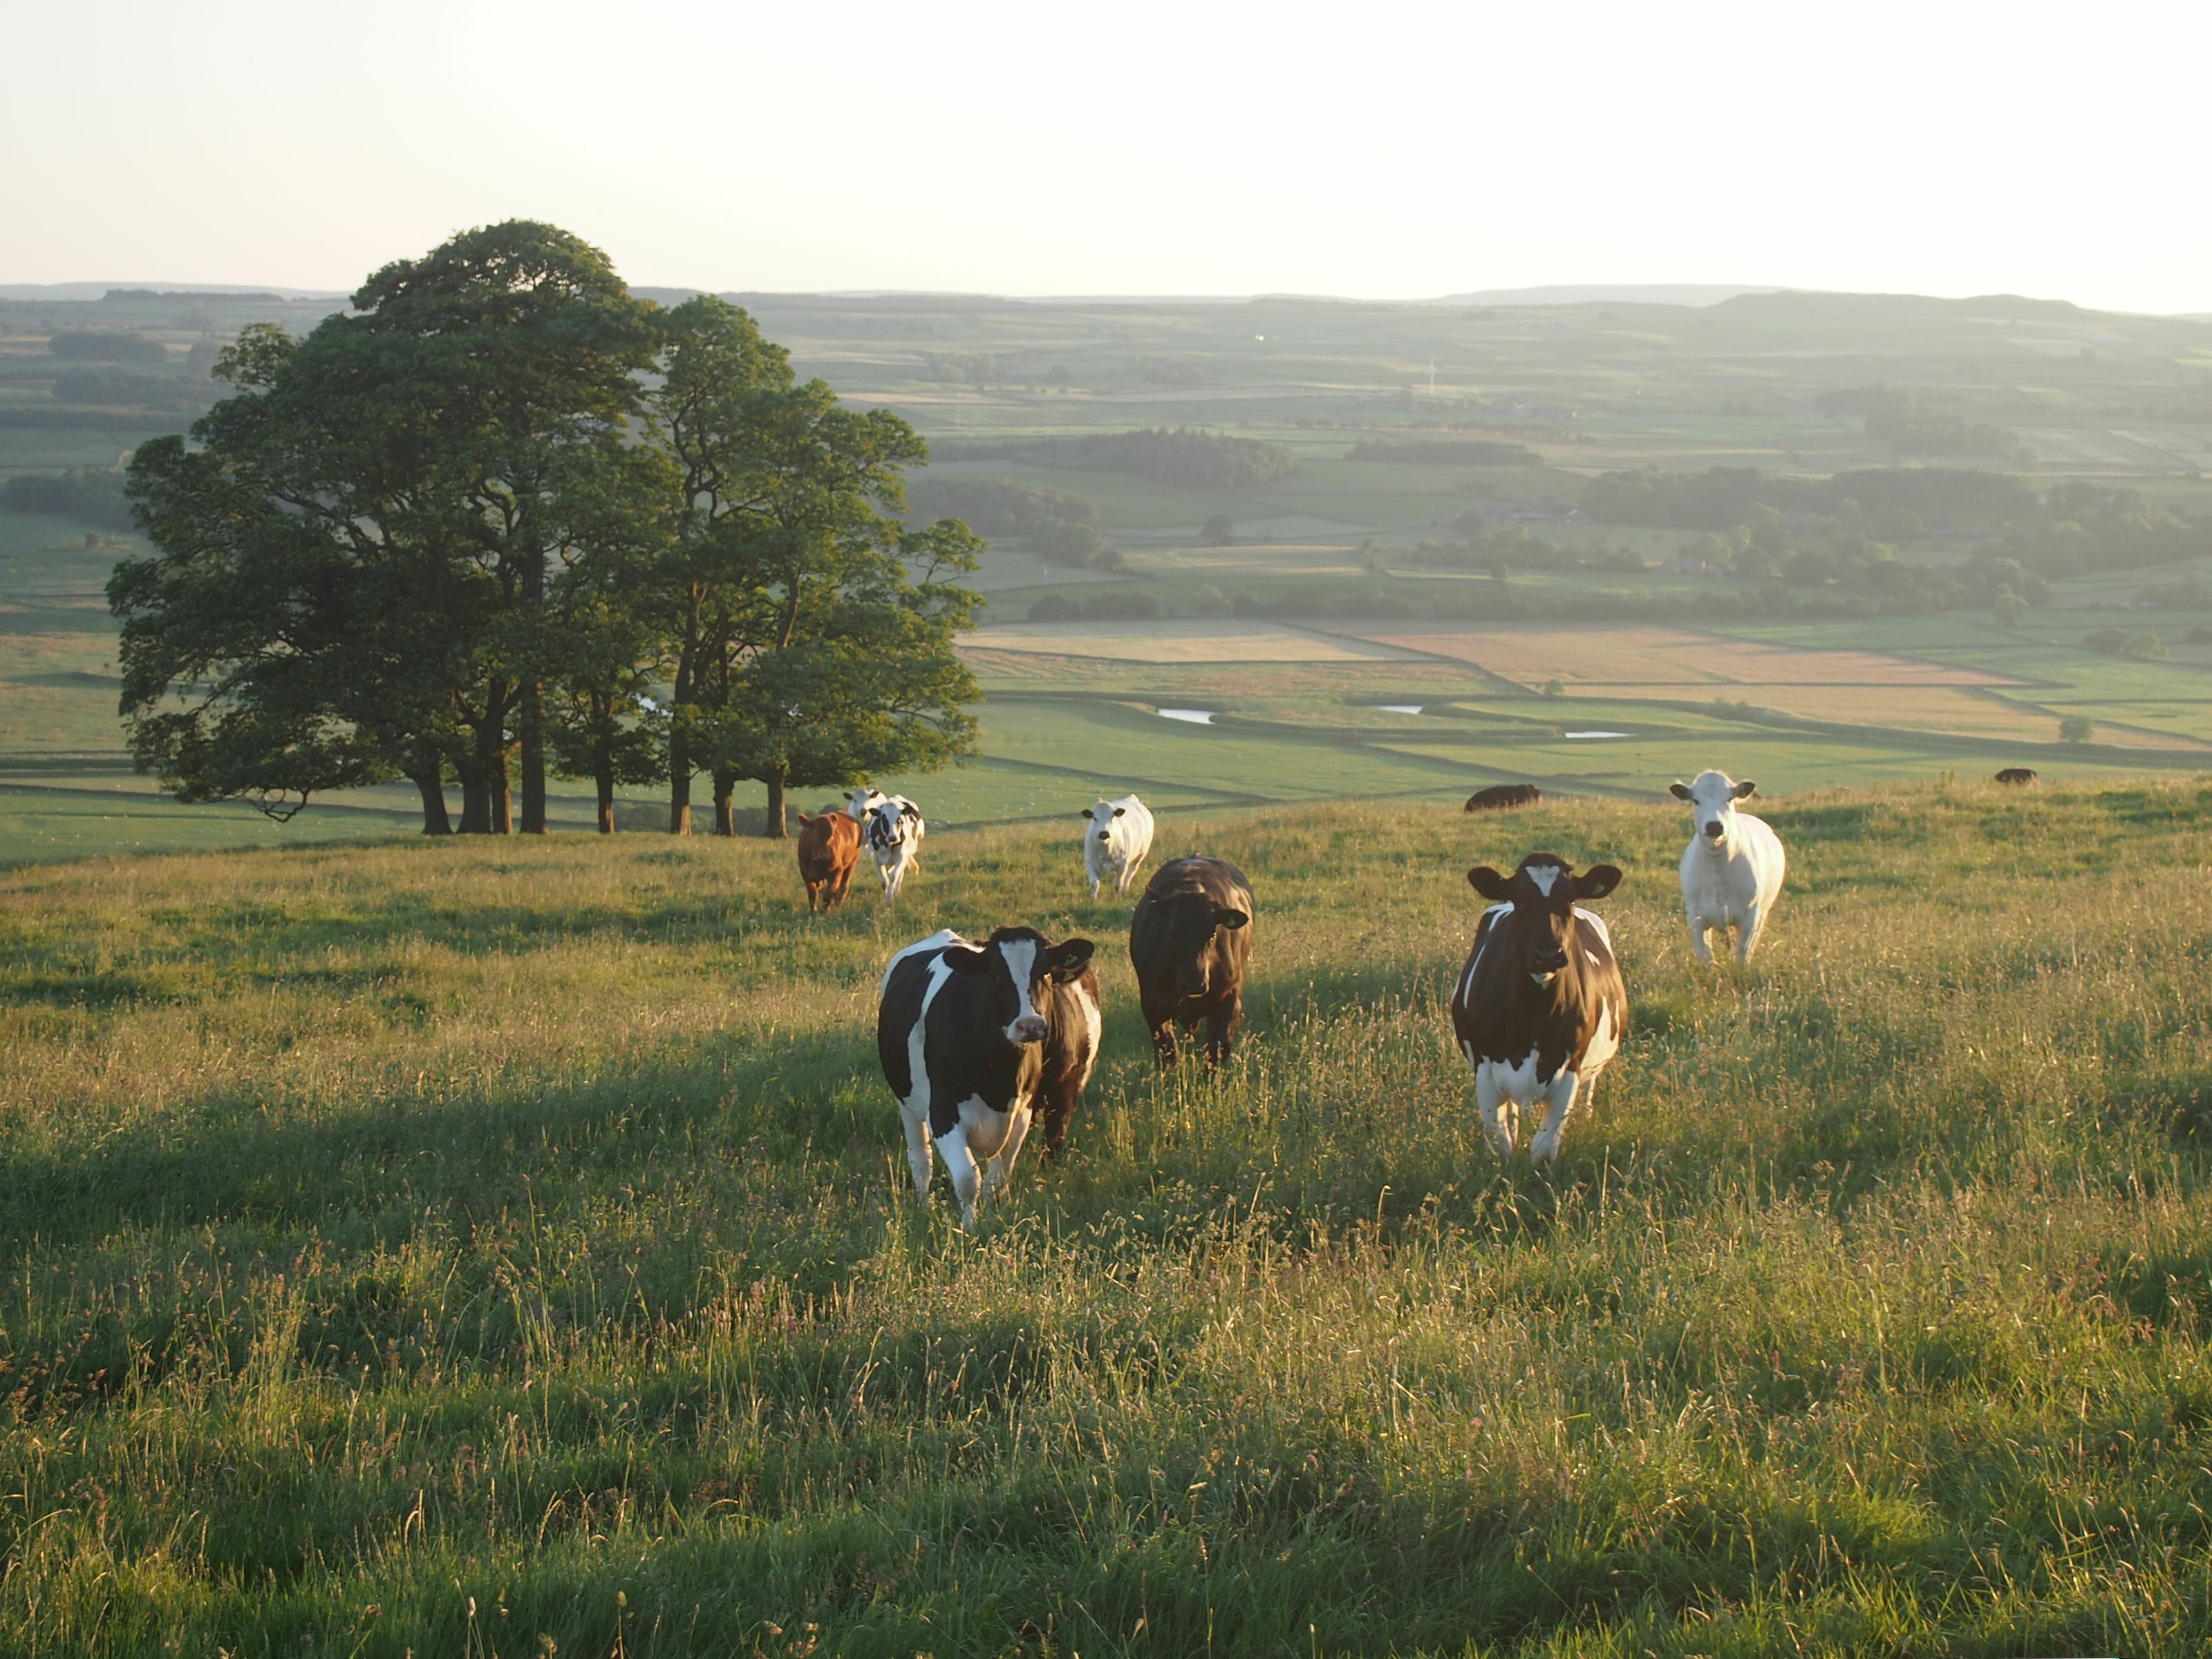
(465, 1248)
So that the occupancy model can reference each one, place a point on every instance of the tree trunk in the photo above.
(603, 774)
(502, 800)
(430, 780)
(530, 696)
(726, 816)
(679, 785)
(476, 799)
(773, 825)
(532, 700)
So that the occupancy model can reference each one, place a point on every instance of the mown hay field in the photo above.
(502, 1248)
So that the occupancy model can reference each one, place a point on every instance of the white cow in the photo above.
(1117, 835)
(1732, 868)
(893, 828)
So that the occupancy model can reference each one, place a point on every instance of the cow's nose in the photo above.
(1103, 836)
(1029, 1028)
(1713, 829)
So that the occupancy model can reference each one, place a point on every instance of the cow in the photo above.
(1541, 1006)
(892, 827)
(828, 847)
(1732, 868)
(2019, 776)
(974, 1038)
(1117, 836)
(1499, 796)
(1189, 939)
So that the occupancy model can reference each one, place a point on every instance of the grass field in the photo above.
(474, 1247)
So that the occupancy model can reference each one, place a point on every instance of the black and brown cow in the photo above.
(2018, 776)
(974, 1037)
(1499, 796)
(1540, 1007)
(1189, 939)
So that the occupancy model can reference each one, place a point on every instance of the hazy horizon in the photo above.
(1193, 151)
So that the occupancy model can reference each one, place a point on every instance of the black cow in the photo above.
(1499, 796)
(2017, 775)
(1540, 1007)
(970, 1035)
(1189, 939)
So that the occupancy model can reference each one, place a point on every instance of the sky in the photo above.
(1378, 150)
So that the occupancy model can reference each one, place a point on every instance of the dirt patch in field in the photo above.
(1667, 658)
(1181, 641)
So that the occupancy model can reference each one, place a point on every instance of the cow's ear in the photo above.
(1488, 883)
(1745, 788)
(1119, 810)
(1225, 917)
(1597, 881)
(1678, 790)
(1084, 813)
(1070, 957)
(967, 959)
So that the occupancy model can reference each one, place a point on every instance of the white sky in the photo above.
(1378, 148)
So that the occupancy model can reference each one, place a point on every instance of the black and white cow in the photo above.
(891, 828)
(972, 1038)
(1540, 1007)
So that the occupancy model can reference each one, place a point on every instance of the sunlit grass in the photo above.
(446, 1246)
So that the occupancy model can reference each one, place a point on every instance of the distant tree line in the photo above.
(94, 346)
(1061, 526)
(88, 493)
(1897, 417)
(1443, 452)
(504, 521)
(1723, 497)
(1180, 458)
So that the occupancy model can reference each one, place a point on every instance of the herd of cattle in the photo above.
(978, 1039)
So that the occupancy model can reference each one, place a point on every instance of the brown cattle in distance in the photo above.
(1499, 796)
(828, 847)
(2017, 775)
(1189, 939)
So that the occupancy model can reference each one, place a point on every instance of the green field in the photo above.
(1586, 388)
(472, 1247)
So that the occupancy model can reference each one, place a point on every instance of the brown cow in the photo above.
(1189, 939)
(2017, 775)
(1499, 796)
(828, 847)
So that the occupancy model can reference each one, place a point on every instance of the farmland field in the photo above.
(492, 1247)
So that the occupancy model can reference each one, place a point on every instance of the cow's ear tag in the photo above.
(1597, 881)
(1071, 956)
(1488, 883)
(1232, 920)
(1678, 790)
(967, 959)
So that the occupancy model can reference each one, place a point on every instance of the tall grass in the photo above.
(472, 1248)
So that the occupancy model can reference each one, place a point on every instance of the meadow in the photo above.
(474, 1247)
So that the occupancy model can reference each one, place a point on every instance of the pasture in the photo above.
(481, 1247)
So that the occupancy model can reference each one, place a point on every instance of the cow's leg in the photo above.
(1747, 931)
(1221, 1031)
(1559, 1106)
(1096, 880)
(1161, 1022)
(918, 1155)
(1002, 1166)
(1699, 947)
(960, 1164)
(1501, 1116)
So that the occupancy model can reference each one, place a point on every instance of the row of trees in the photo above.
(504, 521)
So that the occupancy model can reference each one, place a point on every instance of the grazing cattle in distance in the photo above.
(2017, 775)
(972, 1038)
(1117, 835)
(1499, 796)
(1732, 868)
(1541, 1006)
(1189, 939)
(892, 827)
(828, 847)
